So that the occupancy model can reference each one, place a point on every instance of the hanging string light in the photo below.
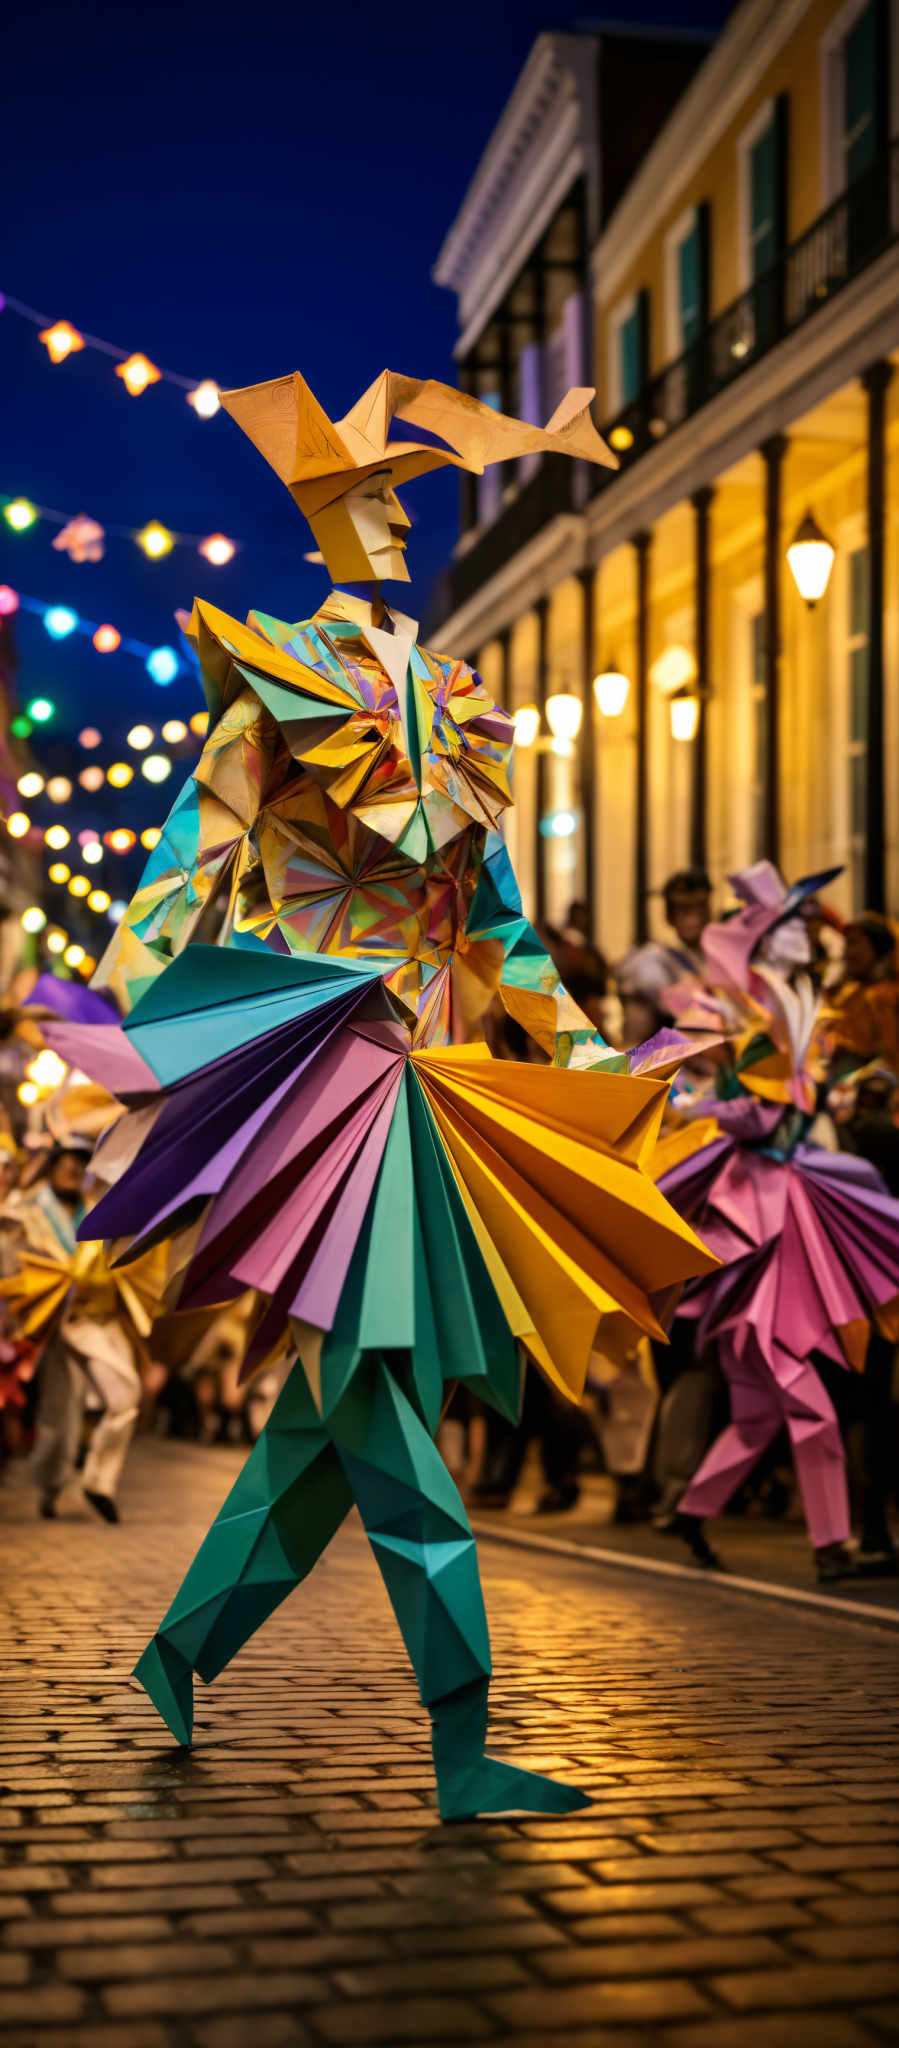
(9, 601)
(60, 621)
(20, 514)
(217, 550)
(156, 540)
(162, 665)
(137, 372)
(61, 339)
(17, 824)
(84, 539)
(205, 399)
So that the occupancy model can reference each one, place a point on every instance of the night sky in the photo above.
(236, 192)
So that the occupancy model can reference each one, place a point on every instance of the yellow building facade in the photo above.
(739, 316)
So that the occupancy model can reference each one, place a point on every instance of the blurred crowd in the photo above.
(81, 1368)
(649, 1416)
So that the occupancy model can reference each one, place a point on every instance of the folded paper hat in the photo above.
(320, 459)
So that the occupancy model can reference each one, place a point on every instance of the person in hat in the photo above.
(808, 1237)
(312, 1107)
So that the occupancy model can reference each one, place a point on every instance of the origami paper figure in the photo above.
(311, 1109)
(808, 1238)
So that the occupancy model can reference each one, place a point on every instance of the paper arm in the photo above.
(530, 985)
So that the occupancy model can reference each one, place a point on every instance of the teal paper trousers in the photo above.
(297, 1486)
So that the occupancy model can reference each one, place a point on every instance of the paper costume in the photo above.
(312, 1111)
(808, 1237)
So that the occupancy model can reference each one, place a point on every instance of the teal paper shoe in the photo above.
(470, 1783)
(168, 1679)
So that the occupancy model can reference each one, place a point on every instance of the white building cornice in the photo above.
(545, 138)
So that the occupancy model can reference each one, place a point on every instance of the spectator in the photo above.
(862, 1014)
(646, 972)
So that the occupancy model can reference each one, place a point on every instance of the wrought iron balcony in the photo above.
(860, 225)
(857, 228)
(552, 489)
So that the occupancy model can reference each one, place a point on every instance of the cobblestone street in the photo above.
(735, 1883)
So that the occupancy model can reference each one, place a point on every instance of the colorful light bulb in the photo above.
(20, 514)
(156, 540)
(205, 399)
(137, 373)
(60, 621)
(61, 340)
(106, 640)
(163, 665)
(217, 549)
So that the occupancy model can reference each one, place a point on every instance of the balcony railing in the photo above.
(552, 489)
(857, 228)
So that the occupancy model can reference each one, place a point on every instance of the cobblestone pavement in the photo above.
(735, 1883)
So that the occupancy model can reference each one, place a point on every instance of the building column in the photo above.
(702, 506)
(876, 380)
(586, 579)
(504, 637)
(772, 453)
(641, 544)
(541, 607)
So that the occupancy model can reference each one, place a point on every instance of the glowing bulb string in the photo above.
(60, 622)
(61, 340)
(83, 537)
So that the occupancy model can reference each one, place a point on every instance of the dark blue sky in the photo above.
(237, 191)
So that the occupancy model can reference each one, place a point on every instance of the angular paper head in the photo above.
(343, 474)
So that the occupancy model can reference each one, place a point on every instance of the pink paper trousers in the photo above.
(759, 1405)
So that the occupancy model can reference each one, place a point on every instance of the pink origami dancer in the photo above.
(808, 1237)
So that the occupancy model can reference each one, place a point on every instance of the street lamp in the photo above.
(527, 725)
(564, 712)
(810, 555)
(683, 711)
(611, 692)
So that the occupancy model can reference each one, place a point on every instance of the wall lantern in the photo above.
(810, 555)
(527, 725)
(564, 712)
(611, 692)
(683, 711)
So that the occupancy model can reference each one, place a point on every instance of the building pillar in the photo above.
(702, 506)
(504, 637)
(541, 607)
(586, 579)
(876, 380)
(772, 453)
(641, 544)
